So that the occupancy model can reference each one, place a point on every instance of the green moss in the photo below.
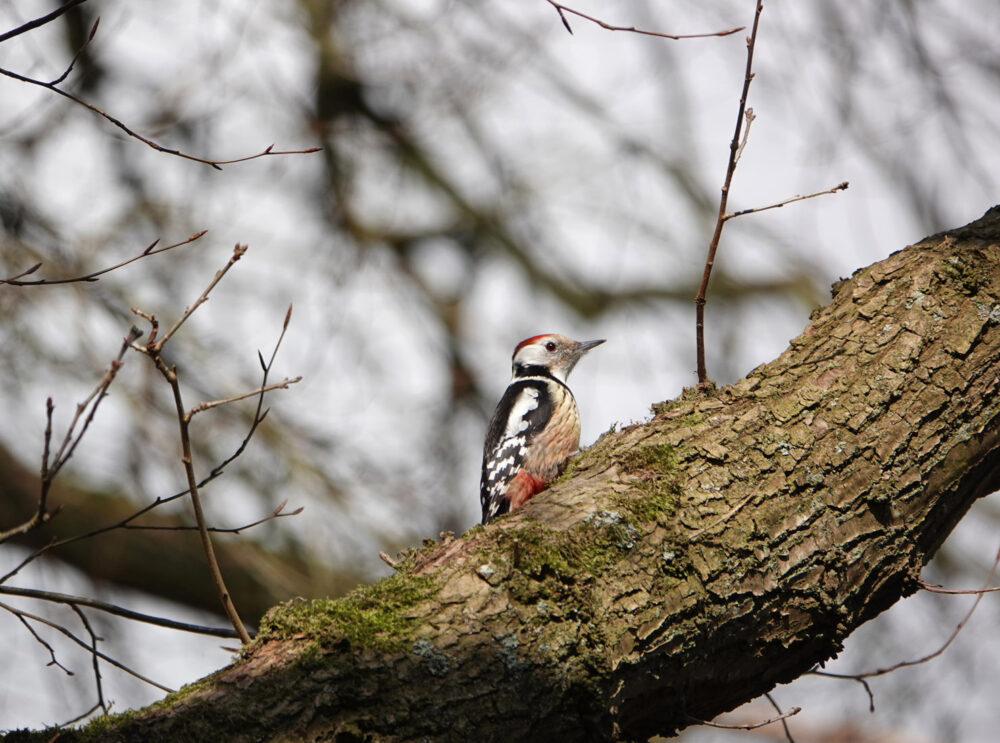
(558, 567)
(311, 656)
(655, 467)
(97, 728)
(688, 395)
(653, 457)
(966, 275)
(698, 392)
(372, 616)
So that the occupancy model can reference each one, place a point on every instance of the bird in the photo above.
(536, 426)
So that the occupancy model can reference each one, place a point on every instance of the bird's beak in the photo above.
(583, 346)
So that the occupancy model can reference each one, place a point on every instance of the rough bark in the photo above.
(683, 566)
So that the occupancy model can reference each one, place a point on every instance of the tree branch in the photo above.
(735, 149)
(41, 20)
(562, 10)
(118, 611)
(15, 280)
(214, 163)
(856, 451)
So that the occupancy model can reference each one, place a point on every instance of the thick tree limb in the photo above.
(685, 565)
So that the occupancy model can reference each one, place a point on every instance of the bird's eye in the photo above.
(550, 346)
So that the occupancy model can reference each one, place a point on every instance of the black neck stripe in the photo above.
(521, 371)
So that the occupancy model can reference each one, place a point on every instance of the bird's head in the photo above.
(552, 353)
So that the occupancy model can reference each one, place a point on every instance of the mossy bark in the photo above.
(685, 565)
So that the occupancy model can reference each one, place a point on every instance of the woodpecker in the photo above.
(536, 426)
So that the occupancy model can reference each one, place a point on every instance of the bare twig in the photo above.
(96, 661)
(277, 513)
(259, 415)
(929, 656)
(934, 588)
(126, 522)
(76, 57)
(156, 345)
(76, 719)
(187, 459)
(70, 441)
(282, 385)
(51, 467)
(562, 10)
(750, 117)
(118, 611)
(867, 687)
(41, 641)
(783, 718)
(153, 349)
(777, 205)
(215, 163)
(713, 246)
(151, 250)
(59, 628)
(41, 20)
(752, 726)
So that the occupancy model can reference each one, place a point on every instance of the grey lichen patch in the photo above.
(508, 653)
(435, 661)
(989, 312)
(616, 528)
(374, 616)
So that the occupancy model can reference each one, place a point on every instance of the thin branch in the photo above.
(750, 117)
(282, 385)
(118, 611)
(170, 374)
(81, 643)
(867, 687)
(25, 272)
(216, 472)
(153, 349)
(157, 345)
(96, 661)
(52, 653)
(563, 9)
(259, 415)
(777, 205)
(214, 163)
(41, 20)
(713, 246)
(51, 467)
(934, 588)
(70, 442)
(76, 719)
(929, 656)
(76, 57)
(14, 280)
(752, 726)
(384, 557)
(277, 513)
(784, 719)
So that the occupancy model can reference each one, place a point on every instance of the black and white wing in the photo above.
(522, 412)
